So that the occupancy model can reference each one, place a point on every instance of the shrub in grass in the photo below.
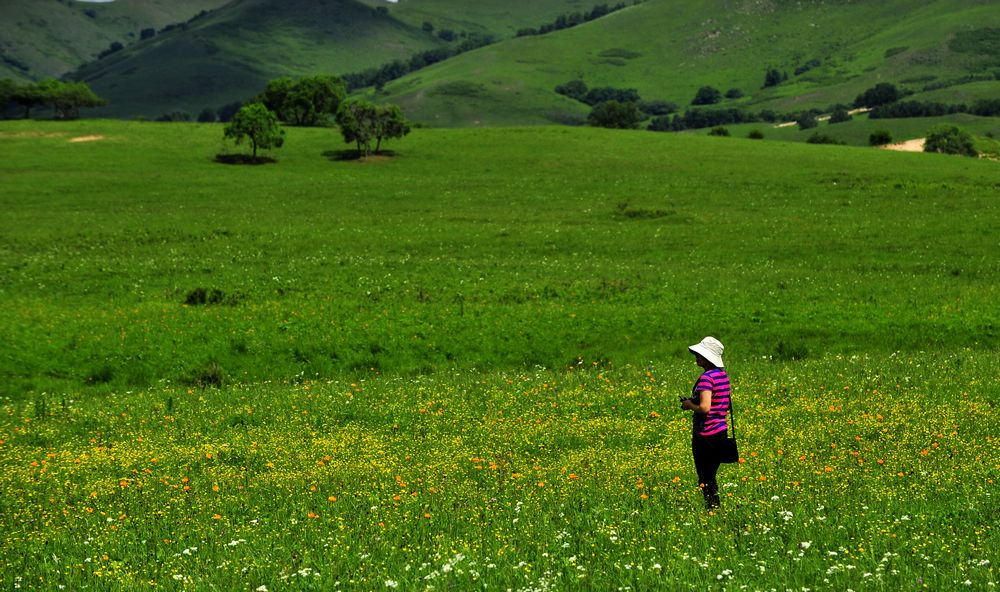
(818, 138)
(719, 131)
(756, 134)
(949, 139)
(807, 121)
(880, 138)
(840, 115)
(616, 115)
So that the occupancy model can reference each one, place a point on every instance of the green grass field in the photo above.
(456, 367)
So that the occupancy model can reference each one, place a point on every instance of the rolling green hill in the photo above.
(231, 53)
(944, 50)
(667, 50)
(42, 39)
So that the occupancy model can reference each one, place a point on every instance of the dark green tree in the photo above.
(356, 120)
(313, 99)
(207, 115)
(880, 138)
(882, 93)
(574, 89)
(257, 124)
(774, 77)
(308, 101)
(7, 89)
(807, 121)
(28, 96)
(389, 124)
(840, 115)
(707, 95)
(950, 139)
(275, 96)
(67, 98)
(365, 124)
(615, 115)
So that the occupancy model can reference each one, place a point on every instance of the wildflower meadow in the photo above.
(397, 375)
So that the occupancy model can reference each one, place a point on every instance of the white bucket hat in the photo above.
(711, 349)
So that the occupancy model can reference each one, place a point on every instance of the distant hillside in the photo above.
(667, 50)
(828, 52)
(229, 54)
(48, 38)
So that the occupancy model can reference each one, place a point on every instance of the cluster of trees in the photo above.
(615, 107)
(65, 98)
(904, 109)
(566, 21)
(378, 77)
(702, 118)
(309, 101)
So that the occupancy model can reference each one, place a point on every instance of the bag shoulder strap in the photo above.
(732, 415)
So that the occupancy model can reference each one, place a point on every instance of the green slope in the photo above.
(41, 39)
(501, 18)
(668, 49)
(231, 53)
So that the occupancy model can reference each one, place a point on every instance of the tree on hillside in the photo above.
(259, 125)
(882, 93)
(949, 139)
(707, 95)
(774, 77)
(840, 115)
(574, 89)
(807, 120)
(615, 115)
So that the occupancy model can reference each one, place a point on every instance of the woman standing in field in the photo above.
(710, 402)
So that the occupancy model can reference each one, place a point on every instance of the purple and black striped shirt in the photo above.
(714, 422)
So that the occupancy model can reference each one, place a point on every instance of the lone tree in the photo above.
(259, 125)
(840, 115)
(707, 95)
(615, 115)
(363, 123)
(774, 77)
(882, 93)
(949, 139)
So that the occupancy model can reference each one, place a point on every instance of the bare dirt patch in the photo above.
(87, 138)
(915, 145)
(31, 135)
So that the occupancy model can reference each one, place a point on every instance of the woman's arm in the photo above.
(704, 404)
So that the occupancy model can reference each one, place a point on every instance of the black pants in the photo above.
(706, 462)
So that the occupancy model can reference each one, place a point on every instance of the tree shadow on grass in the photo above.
(243, 159)
(354, 155)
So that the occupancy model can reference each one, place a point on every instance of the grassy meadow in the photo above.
(456, 366)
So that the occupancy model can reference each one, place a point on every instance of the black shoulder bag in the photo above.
(728, 452)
